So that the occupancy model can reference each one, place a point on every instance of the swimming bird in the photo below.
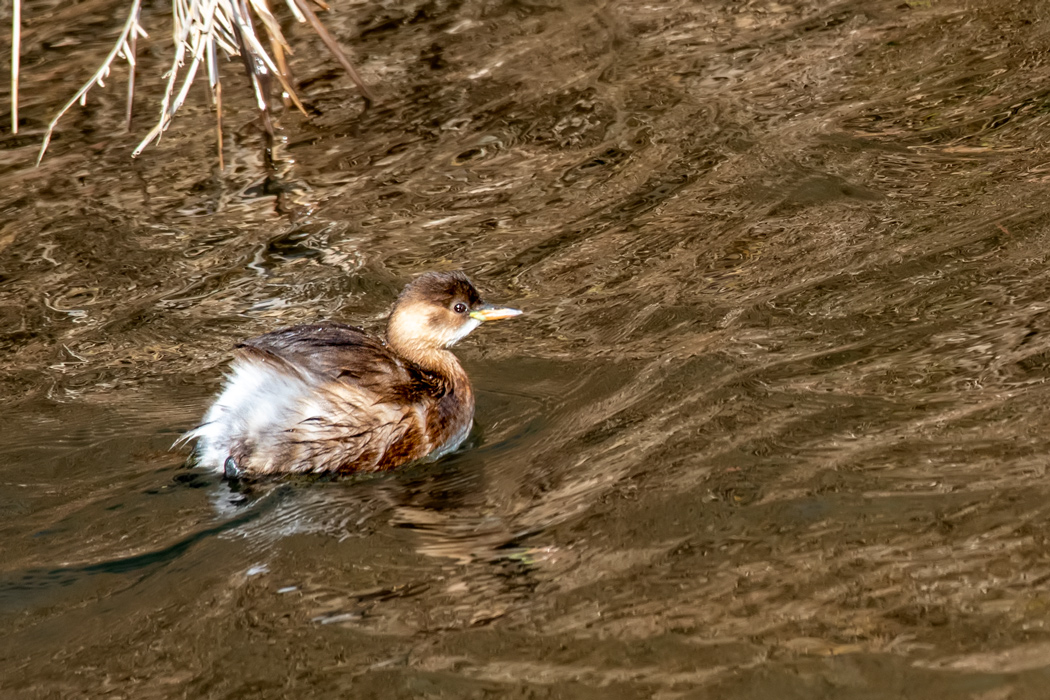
(331, 398)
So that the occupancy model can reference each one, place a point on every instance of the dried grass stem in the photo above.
(201, 29)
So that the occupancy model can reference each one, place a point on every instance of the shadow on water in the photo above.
(774, 423)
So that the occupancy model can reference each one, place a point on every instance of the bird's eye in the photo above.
(459, 308)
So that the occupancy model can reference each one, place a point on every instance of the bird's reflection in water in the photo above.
(447, 511)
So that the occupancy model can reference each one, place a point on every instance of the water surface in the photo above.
(775, 424)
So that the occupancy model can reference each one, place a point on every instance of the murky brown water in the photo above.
(776, 424)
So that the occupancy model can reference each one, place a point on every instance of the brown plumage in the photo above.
(331, 398)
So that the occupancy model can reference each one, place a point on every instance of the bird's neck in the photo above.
(404, 341)
(436, 360)
(453, 414)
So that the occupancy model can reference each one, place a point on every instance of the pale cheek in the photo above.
(413, 326)
(462, 332)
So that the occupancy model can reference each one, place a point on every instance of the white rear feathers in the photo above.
(257, 402)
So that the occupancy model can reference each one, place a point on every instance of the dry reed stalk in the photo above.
(121, 48)
(201, 29)
(16, 51)
(132, 48)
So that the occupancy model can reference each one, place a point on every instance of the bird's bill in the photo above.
(488, 312)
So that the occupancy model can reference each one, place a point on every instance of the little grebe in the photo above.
(328, 397)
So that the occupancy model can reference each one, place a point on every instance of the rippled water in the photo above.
(775, 424)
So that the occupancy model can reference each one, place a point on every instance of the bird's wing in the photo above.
(356, 400)
(346, 354)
